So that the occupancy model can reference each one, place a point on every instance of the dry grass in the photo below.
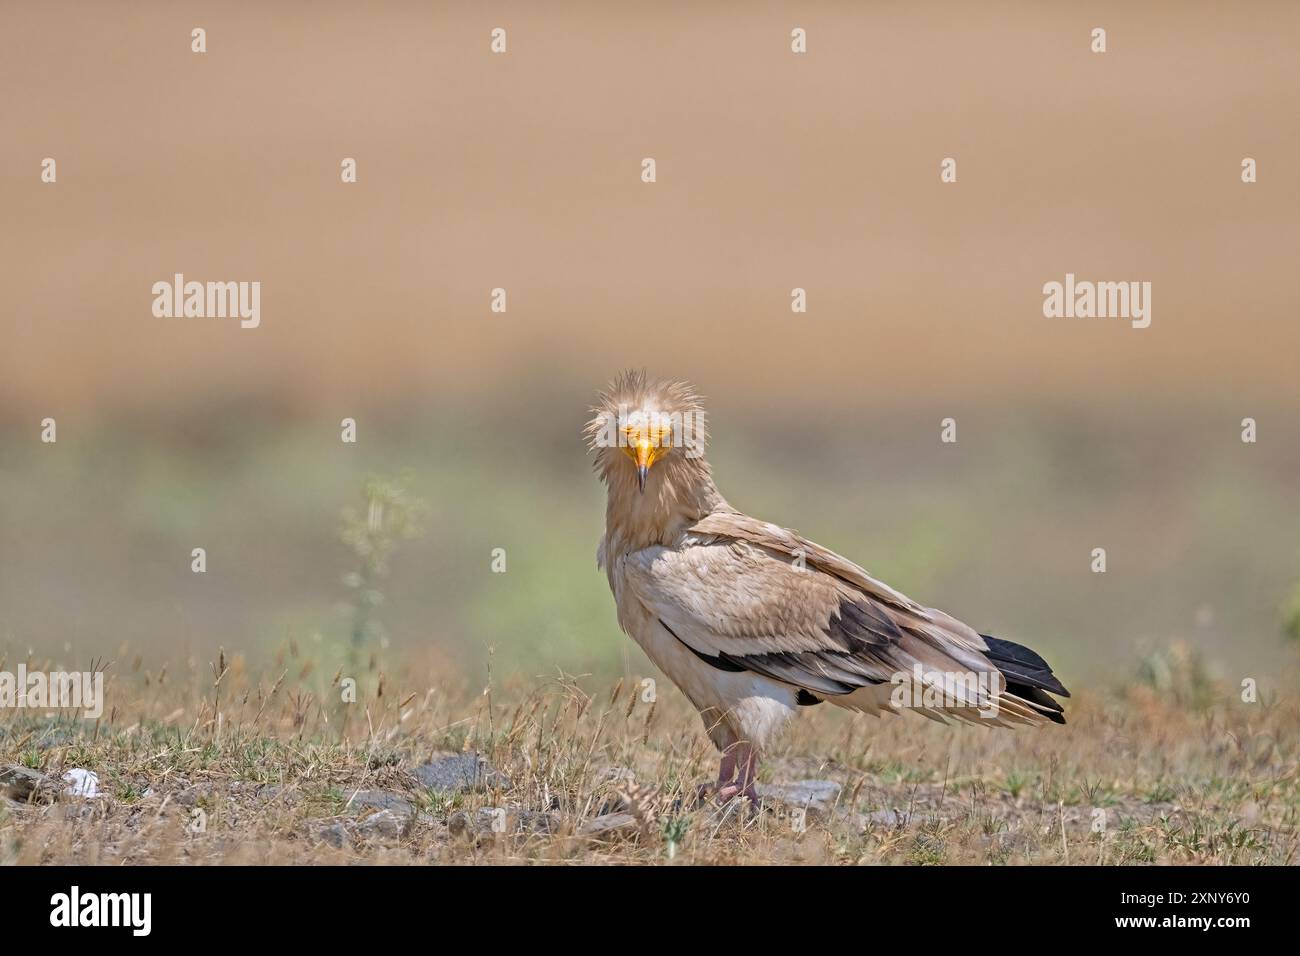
(279, 769)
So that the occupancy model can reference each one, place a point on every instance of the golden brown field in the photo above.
(218, 765)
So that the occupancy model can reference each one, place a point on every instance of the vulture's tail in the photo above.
(1028, 676)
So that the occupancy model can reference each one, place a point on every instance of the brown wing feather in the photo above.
(749, 594)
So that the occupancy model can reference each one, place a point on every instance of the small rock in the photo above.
(539, 821)
(518, 821)
(454, 773)
(811, 794)
(191, 796)
(610, 825)
(489, 820)
(889, 818)
(22, 783)
(381, 800)
(385, 824)
(335, 834)
(79, 809)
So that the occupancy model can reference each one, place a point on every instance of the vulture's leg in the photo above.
(736, 777)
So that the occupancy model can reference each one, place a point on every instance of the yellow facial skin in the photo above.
(646, 444)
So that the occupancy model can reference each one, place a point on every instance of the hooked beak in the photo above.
(644, 458)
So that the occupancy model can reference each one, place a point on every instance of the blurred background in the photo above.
(522, 171)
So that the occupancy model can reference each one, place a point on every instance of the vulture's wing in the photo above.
(744, 594)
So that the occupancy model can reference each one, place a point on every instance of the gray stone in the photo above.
(80, 810)
(23, 783)
(192, 796)
(386, 824)
(812, 794)
(464, 823)
(454, 773)
(889, 818)
(381, 800)
(520, 821)
(893, 817)
(488, 820)
(610, 825)
(539, 821)
(335, 834)
(461, 824)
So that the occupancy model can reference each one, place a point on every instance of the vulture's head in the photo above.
(643, 428)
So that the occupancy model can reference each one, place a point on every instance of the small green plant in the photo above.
(1015, 783)
(389, 515)
(81, 756)
(1096, 794)
(438, 802)
(891, 771)
(332, 798)
(1161, 793)
(674, 832)
(927, 850)
(1291, 615)
(129, 793)
(1178, 671)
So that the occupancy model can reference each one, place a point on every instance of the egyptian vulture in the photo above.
(752, 621)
